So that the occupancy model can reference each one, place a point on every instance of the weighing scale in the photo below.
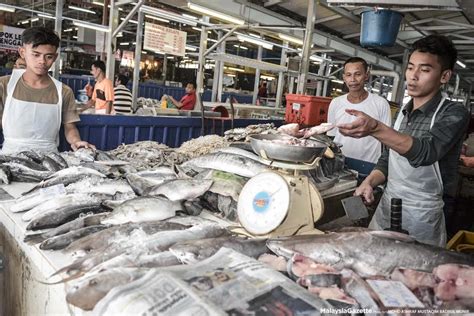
(281, 201)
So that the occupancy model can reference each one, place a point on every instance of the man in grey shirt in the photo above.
(420, 162)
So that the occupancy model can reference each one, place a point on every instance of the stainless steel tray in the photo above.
(263, 146)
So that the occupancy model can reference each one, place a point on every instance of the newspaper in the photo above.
(228, 283)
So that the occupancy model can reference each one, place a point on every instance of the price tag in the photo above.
(296, 106)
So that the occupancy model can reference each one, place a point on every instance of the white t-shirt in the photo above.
(366, 148)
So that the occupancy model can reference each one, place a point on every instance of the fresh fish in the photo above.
(24, 170)
(231, 163)
(226, 184)
(181, 189)
(159, 172)
(64, 240)
(53, 203)
(59, 216)
(104, 156)
(58, 159)
(367, 253)
(239, 152)
(157, 242)
(142, 184)
(30, 155)
(5, 174)
(360, 290)
(100, 241)
(87, 291)
(101, 185)
(139, 259)
(196, 250)
(50, 164)
(80, 222)
(5, 158)
(30, 201)
(85, 154)
(193, 208)
(143, 209)
(68, 176)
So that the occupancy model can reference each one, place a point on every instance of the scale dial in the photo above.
(263, 203)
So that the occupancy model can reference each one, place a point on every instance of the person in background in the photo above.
(420, 161)
(103, 95)
(262, 90)
(20, 63)
(356, 74)
(122, 96)
(34, 105)
(187, 102)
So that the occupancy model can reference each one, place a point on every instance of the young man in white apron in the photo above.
(33, 104)
(420, 162)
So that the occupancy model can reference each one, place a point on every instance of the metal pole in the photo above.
(257, 76)
(127, 18)
(398, 98)
(220, 85)
(326, 81)
(111, 41)
(308, 41)
(281, 77)
(138, 57)
(57, 29)
(200, 72)
(321, 71)
(165, 67)
(215, 81)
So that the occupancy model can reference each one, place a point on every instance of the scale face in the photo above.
(263, 203)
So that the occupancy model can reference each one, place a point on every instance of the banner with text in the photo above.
(164, 40)
(10, 37)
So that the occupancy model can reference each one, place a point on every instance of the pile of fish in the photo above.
(146, 155)
(118, 220)
(241, 133)
(202, 145)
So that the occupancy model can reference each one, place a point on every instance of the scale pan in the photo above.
(279, 147)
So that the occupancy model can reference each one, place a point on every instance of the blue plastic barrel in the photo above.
(379, 27)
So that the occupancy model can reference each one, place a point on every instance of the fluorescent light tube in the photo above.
(72, 7)
(215, 13)
(290, 39)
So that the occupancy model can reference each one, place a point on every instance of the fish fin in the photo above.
(34, 238)
(392, 235)
(75, 266)
(63, 280)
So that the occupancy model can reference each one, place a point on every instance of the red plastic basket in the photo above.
(306, 109)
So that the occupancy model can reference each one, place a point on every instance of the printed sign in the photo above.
(164, 40)
(10, 37)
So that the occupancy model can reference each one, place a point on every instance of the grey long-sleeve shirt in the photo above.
(442, 143)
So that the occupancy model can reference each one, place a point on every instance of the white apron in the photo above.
(421, 191)
(30, 125)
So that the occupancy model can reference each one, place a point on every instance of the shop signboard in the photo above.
(164, 40)
(10, 37)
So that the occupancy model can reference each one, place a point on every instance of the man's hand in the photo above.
(363, 126)
(82, 144)
(366, 191)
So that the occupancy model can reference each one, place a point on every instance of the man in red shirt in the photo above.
(188, 101)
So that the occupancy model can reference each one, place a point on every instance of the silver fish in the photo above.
(53, 203)
(50, 164)
(85, 154)
(141, 184)
(143, 209)
(58, 159)
(367, 253)
(87, 291)
(24, 170)
(157, 242)
(181, 189)
(64, 240)
(240, 152)
(81, 222)
(196, 250)
(231, 163)
(59, 216)
(100, 241)
(30, 201)
(68, 176)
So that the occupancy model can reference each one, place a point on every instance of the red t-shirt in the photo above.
(188, 101)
